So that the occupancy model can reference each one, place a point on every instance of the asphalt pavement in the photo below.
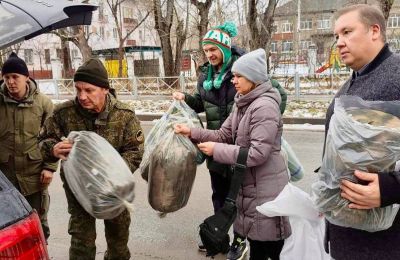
(175, 235)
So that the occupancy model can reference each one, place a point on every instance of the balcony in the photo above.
(129, 21)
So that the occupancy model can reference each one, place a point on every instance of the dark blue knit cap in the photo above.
(14, 65)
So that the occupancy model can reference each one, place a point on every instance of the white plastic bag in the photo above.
(97, 175)
(307, 239)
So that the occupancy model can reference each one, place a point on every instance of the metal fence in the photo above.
(297, 86)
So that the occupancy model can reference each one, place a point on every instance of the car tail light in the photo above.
(23, 240)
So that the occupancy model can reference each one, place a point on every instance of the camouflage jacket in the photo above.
(118, 124)
(20, 157)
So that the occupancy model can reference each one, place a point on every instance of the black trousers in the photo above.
(262, 250)
(220, 186)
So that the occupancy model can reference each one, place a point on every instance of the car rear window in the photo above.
(14, 24)
(13, 205)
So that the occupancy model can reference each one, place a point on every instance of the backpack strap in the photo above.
(238, 174)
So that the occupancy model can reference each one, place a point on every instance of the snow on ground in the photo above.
(300, 109)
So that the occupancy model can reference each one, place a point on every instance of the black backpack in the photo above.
(214, 230)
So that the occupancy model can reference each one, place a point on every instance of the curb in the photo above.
(289, 123)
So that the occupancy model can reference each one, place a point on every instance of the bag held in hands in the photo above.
(97, 175)
(214, 230)
(363, 135)
(170, 160)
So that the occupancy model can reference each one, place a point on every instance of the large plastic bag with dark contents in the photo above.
(170, 160)
(363, 135)
(98, 176)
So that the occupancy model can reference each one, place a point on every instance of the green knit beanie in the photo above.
(93, 72)
(219, 36)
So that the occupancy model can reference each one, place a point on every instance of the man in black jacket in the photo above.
(360, 33)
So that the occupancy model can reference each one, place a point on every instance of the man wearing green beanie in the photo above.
(96, 109)
(214, 96)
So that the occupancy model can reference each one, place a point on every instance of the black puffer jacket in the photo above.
(216, 103)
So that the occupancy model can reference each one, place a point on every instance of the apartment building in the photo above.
(297, 27)
(43, 53)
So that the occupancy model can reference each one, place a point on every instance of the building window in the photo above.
(74, 53)
(394, 44)
(394, 21)
(141, 35)
(306, 24)
(274, 28)
(115, 33)
(59, 54)
(305, 44)
(28, 55)
(287, 46)
(128, 12)
(287, 27)
(101, 11)
(274, 47)
(101, 32)
(324, 24)
(47, 56)
(86, 30)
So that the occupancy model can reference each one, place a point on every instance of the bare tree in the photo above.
(203, 11)
(163, 25)
(386, 5)
(261, 31)
(78, 36)
(181, 34)
(115, 7)
(243, 38)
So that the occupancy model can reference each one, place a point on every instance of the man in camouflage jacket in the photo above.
(94, 109)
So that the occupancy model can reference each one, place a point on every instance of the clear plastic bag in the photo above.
(170, 160)
(178, 112)
(295, 168)
(98, 176)
(363, 135)
(308, 227)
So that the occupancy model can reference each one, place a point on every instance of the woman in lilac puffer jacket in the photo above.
(255, 123)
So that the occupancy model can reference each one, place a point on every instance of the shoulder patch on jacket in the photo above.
(139, 136)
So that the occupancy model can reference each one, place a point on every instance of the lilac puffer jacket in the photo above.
(256, 123)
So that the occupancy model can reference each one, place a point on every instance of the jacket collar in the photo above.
(99, 118)
(29, 97)
(245, 100)
(382, 56)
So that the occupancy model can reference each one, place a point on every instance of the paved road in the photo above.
(174, 236)
(302, 97)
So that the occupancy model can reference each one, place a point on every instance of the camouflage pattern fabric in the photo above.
(82, 228)
(119, 125)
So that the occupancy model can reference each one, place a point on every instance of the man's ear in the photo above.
(376, 32)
